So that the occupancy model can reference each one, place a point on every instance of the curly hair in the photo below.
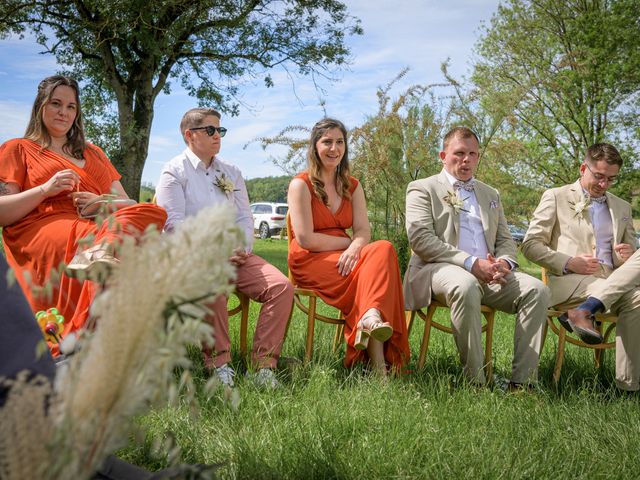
(37, 131)
(314, 165)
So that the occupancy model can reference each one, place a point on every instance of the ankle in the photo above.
(593, 305)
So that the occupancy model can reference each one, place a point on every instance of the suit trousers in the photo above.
(523, 295)
(622, 280)
(626, 305)
(263, 283)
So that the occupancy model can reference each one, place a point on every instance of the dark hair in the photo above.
(343, 182)
(37, 131)
(462, 132)
(603, 151)
(194, 117)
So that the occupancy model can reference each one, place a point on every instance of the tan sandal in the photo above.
(93, 263)
(371, 325)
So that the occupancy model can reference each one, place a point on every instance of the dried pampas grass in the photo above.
(145, 318)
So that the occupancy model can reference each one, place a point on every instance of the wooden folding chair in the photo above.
(243, 309)
(310, 310)
(429, 322)
(563, 338)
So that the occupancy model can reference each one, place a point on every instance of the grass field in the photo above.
(327, 422)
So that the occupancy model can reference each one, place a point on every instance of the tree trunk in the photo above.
(135, 130)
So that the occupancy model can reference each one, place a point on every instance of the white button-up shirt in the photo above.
(471, 238)
(186, 186)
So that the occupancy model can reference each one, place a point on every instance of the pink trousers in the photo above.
(263, 283)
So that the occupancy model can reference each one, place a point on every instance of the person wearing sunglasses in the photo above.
(199, 178)
(582, 234)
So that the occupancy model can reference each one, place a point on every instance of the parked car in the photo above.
(517, 233)
(268, 218)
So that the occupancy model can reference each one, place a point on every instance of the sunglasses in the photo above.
(211, 130)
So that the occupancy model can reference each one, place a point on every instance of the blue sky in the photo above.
(419, 34)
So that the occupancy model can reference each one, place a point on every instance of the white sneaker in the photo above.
(266, 378)
(225, 374)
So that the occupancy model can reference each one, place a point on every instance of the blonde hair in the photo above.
(314, 165)
(37, 131)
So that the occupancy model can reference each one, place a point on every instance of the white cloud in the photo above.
(14, 117)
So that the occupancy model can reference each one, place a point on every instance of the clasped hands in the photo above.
(587, 264)
(491, 270)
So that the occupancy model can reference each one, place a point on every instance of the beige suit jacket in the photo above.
(557, 233)
(433, 229)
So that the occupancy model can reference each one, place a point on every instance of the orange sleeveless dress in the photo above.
(48, 235)
(374, 282)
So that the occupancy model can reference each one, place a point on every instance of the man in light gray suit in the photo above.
(583, 235)
(464, 256)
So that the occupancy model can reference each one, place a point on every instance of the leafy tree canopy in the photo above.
(561, 76)
(126, 52)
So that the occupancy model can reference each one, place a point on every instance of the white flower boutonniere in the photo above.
(225, 184)
(456, 201)
(580, 206)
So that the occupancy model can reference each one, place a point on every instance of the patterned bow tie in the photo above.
(468, 186)
(600, 200)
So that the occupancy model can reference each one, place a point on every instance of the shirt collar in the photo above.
(195, 161)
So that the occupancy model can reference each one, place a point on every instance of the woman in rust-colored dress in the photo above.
(359, 278)
(39, 214)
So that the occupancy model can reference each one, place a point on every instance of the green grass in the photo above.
(328, 422)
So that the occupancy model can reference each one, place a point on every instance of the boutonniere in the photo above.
(456, 201)
(580, 206)
(225, 184)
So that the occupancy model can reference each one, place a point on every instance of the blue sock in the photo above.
(593, 305)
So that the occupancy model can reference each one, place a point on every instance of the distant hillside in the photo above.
(268, 189)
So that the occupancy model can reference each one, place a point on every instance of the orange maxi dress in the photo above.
(47, 236)
(374, 281)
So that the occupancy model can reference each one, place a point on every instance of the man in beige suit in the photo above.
(464, 256)
(581, 234)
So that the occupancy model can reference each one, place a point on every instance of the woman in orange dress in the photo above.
(359, 278)
(39, 215)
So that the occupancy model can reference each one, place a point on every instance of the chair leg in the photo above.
(488, 349)
(308, 353)
(424, 346)
(337, 337)
(559, 355)
(409, 317)
(545, 329)
(597, 352)
(244, 324)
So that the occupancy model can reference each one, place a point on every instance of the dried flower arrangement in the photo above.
(149, 313)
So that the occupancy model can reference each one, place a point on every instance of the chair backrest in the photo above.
(289, 235)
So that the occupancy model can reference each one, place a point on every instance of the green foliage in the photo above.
(557, 77)
(147, 192)
(127, 52)
(397, 145)
(268, 189)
